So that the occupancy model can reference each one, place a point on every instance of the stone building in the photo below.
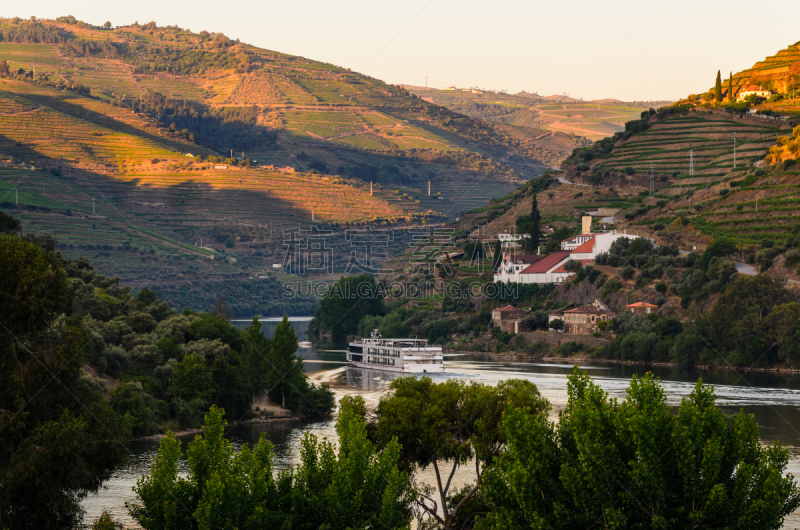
(583, 320)
(508, 318)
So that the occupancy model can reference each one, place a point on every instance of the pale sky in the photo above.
(624, 49)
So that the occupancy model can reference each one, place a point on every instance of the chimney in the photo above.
(586, 224)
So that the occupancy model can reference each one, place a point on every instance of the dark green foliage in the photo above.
(346, 303)
(475, 251)
(220, 128)
(636, 464)
(32, 32)
(91, 48)
(63, 442)
(9, 224)
(529, 225)
(718, 88)
(32, 286)
(356, 487)
(498, 255)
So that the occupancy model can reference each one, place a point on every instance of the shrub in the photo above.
(627, 272)
(661, 287)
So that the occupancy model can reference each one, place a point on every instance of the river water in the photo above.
(774, 400)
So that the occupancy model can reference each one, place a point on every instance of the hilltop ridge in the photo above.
(145, 147)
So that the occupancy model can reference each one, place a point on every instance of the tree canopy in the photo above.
(636, 464)
(356, 487)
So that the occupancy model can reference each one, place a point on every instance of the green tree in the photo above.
(358, 487)
(782, 329)
(719, 248)
(730, 87)
(346, 303)
(9, 224)
(498, 255)
(448, 424)
(59, 439)
(737, 316)
(254, 359)
(528, 225)
(285, 380)
(191, 379)
(107, 24)
(718, 88)
(636, 464)
(32, 286)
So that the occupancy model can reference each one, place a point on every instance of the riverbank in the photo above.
(578, 359)
(188, 432)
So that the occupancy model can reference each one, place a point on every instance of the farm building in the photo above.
(583, 320)
(753, 90)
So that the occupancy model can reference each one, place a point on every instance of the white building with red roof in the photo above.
(550, 269)
(588, 246)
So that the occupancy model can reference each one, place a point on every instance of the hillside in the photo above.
(138, 145)
(743, 184)
(560, 118)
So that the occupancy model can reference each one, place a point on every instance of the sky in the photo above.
(625, 49)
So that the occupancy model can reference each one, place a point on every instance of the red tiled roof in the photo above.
(641, 304)
(524, 259)
(547, 263)
(508, 308)
(586, 247)
(583, 262)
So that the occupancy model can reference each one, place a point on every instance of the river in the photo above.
(773, 398)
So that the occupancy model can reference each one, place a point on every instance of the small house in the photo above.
(753, 90)
(642, 308)
(508, 318)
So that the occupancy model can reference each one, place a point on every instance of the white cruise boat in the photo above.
(409, 356)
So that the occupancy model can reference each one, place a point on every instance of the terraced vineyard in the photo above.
(118, 142)
(716, 199)
(707, 138)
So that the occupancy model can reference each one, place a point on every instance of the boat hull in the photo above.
(409, 369)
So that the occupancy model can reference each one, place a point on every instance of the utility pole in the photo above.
(691, 162)
(429, 188)
(370, 189)
(734, 150)
(231, 153)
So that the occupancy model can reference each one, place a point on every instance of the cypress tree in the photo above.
(498, 255)
(718, 88)
(730, 87)
(533, 241)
